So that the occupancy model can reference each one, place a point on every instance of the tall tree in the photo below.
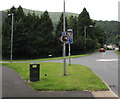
(19, 13)
(100, 35)
(6, 30)
(84, 20)
(72, 24)
(46, 30)
(46, 24)
(59, 28)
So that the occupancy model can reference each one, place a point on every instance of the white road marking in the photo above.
(107, 60)
(104, 54)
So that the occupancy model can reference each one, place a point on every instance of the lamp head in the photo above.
(9, 14)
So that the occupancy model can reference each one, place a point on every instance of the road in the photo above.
(104, 64)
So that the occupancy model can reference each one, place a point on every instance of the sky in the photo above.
(98, 9)
(119, 11)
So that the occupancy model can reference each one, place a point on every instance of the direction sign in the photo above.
(63, 33)
(67, 37)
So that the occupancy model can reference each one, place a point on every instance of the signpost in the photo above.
(69, 41)
(67, 38)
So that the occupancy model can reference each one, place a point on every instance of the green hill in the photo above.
(111, 27)
(54, 15)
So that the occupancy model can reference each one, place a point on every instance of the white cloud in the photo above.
(119, 12)
(98, 9)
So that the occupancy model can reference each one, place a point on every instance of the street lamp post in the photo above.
(85, 35)
(11, 54)
(64, 46)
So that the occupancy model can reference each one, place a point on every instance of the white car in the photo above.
(110, 47)
(116, 49)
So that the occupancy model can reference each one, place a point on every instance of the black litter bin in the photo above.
(34, 72)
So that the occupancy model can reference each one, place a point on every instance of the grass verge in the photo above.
(117, 52)
(51, 58)
(78, 77)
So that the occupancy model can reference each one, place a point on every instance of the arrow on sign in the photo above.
(63, 38)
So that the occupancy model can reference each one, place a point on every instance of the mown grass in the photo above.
(117, 52)
(51, 58)
(78, 77)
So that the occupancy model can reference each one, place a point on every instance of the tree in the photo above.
(100, 35)
(84, 20)
(6, 30)
(59, 28)
(111, 29)
(72, 24)
(84, 23)
(33, 36)
(19, 13)
(46, 30)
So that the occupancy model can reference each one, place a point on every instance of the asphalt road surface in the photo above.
(104, 64)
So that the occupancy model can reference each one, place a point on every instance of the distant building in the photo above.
(3, 15)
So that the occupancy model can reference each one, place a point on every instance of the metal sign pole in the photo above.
(64, 45)
(70, 41)
(69, 55)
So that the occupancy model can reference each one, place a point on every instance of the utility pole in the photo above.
(12, 38)
(11, 53)
(64, 45)
(85, 36)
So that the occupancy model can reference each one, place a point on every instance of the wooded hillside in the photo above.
(37, 34)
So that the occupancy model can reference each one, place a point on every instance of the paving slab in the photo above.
(103, 94)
